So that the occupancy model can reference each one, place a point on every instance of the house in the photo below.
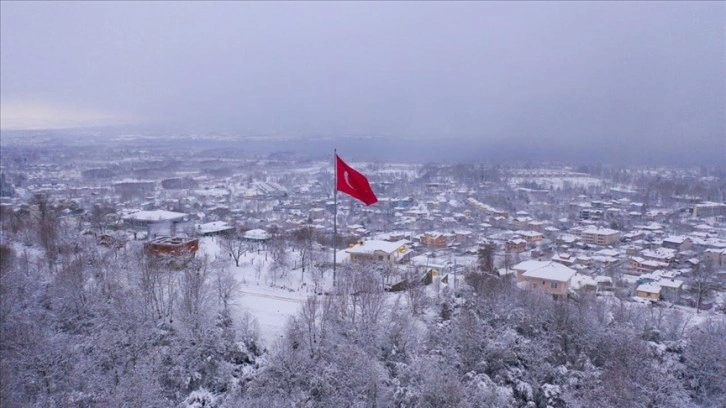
(176, 246)
(215, 228)
(531, 236)
(583, 283)
(521, 222)
(564, 259)
(608, 253)
(716, 257)
(604, 283)
(670, 289)
(591, 214)
(611, 213)
(380, 251)
(435, 240)
(398, 235)
(550, 277)
(356, 229)
(633, 235)
(677, 242)
(584, 260)
(516, 245)
(257, 235)
(430, 263)
(642, 265)
(550, 231)
(463, 236)
(648, 291)
(600, 236)
(665, 255)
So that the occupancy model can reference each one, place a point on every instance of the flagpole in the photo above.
(335, 211)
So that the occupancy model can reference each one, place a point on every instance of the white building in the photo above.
(551, 277)
(380, 251)
(159, 222)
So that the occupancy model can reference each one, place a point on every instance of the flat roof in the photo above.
(649, 288)
(155, 215)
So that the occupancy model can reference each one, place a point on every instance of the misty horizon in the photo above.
(613, 82)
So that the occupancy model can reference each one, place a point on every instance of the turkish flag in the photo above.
(353, 183)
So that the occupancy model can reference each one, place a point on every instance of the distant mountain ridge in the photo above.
(384, 148)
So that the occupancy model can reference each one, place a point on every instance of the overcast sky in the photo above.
(571, 72)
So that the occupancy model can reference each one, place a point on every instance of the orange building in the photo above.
(175, 246)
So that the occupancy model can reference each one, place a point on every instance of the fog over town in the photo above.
(528, 208)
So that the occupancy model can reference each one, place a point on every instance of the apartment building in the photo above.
(600, 236)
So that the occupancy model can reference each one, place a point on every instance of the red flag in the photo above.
(353, 183)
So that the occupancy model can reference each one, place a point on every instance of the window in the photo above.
(380, 257)
(553, 285)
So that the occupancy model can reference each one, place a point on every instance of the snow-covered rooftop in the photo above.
(649, 288)
(675, 239)
(373, 245)
(599, 231)
(257, 234)
(214, 226)
(579, 280)
(608, 252)
(670, 283)
(155, 215)
(545, 270)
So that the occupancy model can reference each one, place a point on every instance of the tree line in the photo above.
(86, 325)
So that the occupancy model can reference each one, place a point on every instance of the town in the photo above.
(205, 265)
(650, 235)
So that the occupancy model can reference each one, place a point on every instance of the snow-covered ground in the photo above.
(270, 307)
(270, 304)
(557, 182)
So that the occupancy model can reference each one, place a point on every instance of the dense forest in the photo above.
(85, 325)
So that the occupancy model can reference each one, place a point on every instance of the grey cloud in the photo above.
(582, 74)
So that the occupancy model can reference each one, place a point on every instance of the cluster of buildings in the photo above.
(552, 229)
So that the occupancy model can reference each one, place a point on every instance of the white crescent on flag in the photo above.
(347, 179)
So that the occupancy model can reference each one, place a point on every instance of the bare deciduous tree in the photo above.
(414, 289)
(280, 262)
(226, 285)
(194, 291)
(159, 286)
(98, 216)
(302, 242)
(236, 246)
(703, 282)
(48, 225)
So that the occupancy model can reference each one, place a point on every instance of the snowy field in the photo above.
(270, 308)
(270, 305)
(557, 182)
